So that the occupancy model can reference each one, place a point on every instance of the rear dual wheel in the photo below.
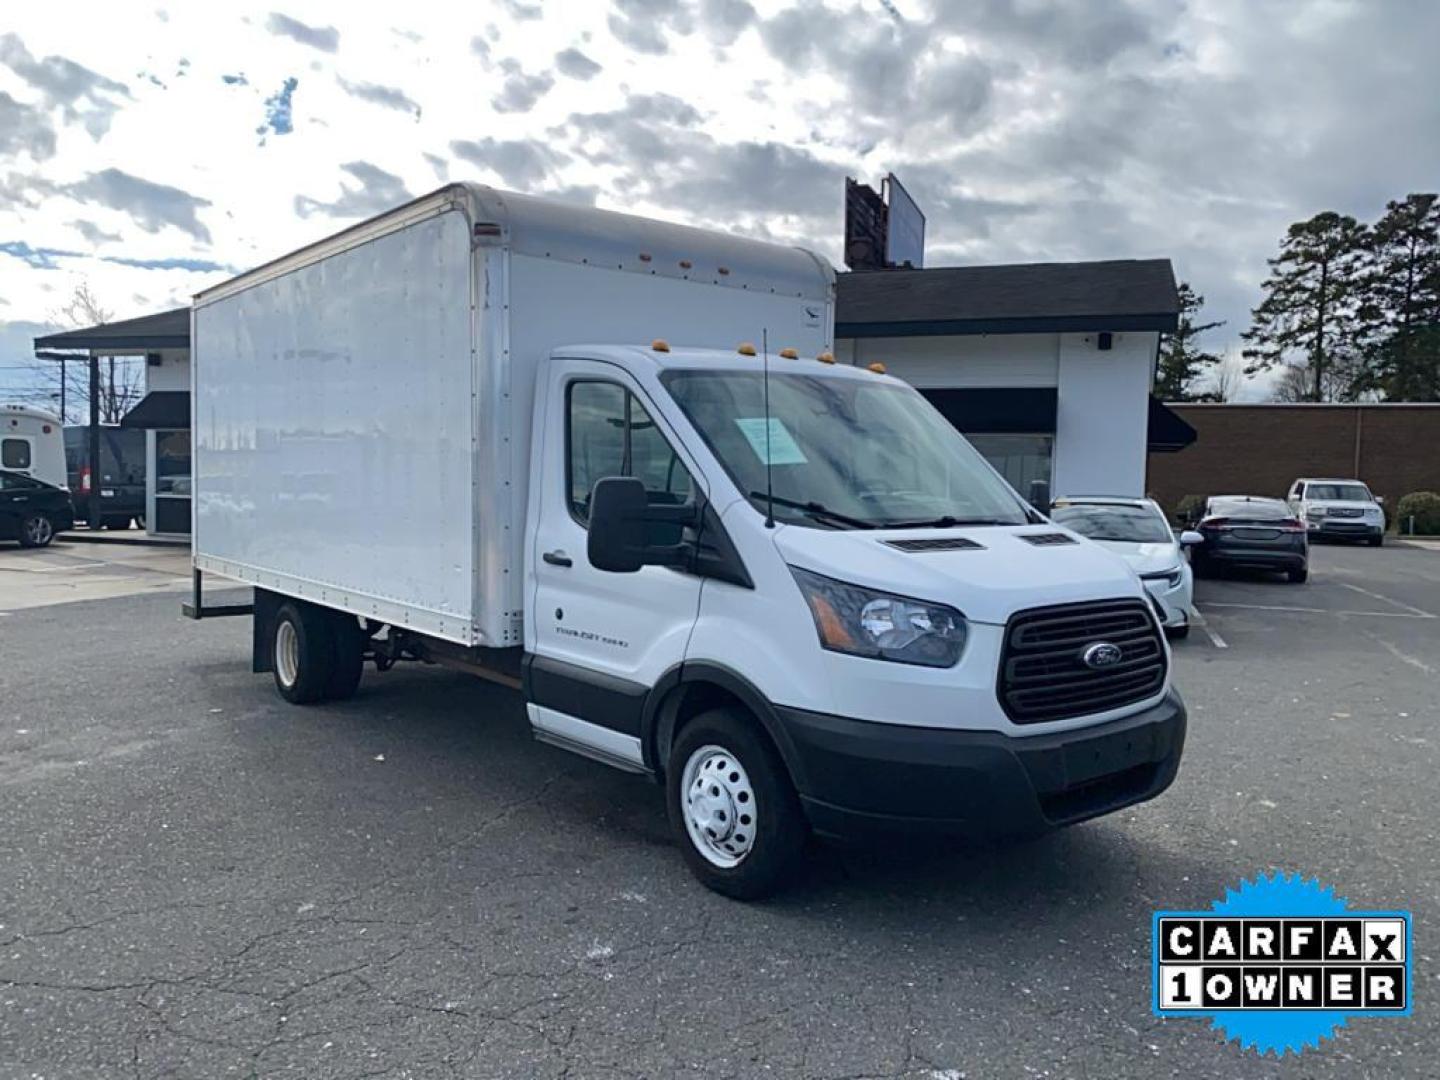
(317, 654)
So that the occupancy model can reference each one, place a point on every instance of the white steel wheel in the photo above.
(287, 653)
(721, 815)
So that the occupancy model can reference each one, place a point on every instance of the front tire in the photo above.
(1178, 633)
(1298, 577)
(1376, 541)
(36, 531)
(732, 806)
(302, 652)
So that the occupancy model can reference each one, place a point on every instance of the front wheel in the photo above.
(1376, 541)
(1298, 577)
(732, 806)
(1178, 633)
(36, 531)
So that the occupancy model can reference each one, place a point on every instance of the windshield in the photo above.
(1338, 492)
(844, 453)
(1129, 524)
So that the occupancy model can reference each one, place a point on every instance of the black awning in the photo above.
(1168, 430)
(997, 410)
(165, 330)
(160, 409)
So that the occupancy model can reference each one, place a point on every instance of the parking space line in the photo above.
(1397, 652)
(1377, 596)
(1204, 624)
(1321, 611)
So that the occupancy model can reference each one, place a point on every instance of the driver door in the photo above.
(602, 640)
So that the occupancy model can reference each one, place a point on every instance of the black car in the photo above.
(1247, 530)
(32, 511)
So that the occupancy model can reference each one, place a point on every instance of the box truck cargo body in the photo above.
(539, 443)
(363, 408)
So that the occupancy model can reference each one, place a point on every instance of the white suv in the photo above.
(1343, 509)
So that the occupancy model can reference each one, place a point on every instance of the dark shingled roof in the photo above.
(1123, 294)
(167, 330)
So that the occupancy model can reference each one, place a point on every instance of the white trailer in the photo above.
(783, 587)
(32, 443)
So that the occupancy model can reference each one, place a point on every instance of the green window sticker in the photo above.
(782, 445)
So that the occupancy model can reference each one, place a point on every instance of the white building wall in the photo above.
(943, 362)
(1102, 415)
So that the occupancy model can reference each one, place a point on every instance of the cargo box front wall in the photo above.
(334, 430)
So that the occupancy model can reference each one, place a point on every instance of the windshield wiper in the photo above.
(816, 510)
(947, 522)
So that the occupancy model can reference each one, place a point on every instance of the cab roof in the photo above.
(680, 357)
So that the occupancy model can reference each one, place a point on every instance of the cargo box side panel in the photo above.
(334, 430)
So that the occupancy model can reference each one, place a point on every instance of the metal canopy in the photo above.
(165, 330)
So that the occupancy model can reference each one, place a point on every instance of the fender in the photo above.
(657, 720)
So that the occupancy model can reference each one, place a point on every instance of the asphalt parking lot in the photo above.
(199, 881)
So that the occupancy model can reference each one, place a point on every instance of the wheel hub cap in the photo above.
(720, 812)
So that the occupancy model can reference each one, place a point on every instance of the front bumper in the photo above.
(1348, 528)
(857, 777)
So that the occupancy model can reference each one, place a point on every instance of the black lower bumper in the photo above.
(1259, 558)
(857, 777)
(1330, 530)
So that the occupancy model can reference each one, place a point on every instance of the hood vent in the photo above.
(1046, 539)
(935, 543)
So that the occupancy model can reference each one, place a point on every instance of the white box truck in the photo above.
(784, 588)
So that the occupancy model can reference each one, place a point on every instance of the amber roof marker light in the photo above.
(746, 349)
(826, 358)
(660, 345)
(789, 354)
(877, 367)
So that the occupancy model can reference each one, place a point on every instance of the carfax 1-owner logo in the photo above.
(1280, 963)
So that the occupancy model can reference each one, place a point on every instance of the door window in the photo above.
(11, 482)
(609, 433)
(172, 463)
(15, 453)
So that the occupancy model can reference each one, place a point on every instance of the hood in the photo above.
(1345, 503)
(988, 583)
(1143, 558)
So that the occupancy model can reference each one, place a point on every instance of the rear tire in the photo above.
(732, 806)
(36, 531)
(302, 643)
(1298, 577)
(349, 660)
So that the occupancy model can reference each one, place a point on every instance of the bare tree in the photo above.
(1227, 378)
(122, 378)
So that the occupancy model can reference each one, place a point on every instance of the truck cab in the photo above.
(782, 577)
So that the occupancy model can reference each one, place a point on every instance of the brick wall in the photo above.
(1262, 449)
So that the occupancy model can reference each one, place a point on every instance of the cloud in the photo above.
(520, 91)
(643, 24)
(279, 111)
(92, 233)
(150, 205)
(387, 97)
(324, 38)
(521, 10)
(24, 129)
(520, 163)
(576, 64)
(373, 192)
(80, 94)
(726, 20)
(235, 80)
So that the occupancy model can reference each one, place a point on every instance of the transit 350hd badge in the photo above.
(1280, 963)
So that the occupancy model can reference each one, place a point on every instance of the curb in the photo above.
(138, 540)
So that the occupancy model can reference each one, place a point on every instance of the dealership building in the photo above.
(1046, 368)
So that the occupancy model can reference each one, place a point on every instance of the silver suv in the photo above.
(1344, 509)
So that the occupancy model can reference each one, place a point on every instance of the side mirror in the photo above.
(1189, 538)
(1380, 500)
(620, 536)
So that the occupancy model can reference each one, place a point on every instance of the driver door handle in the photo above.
(557, 558)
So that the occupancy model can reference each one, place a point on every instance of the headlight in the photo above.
(862, 622)
(1171, 578)
(1315, 512)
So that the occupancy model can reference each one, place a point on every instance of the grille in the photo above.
(1044, 678)
(936, 543)
(1346, 512)
(1046, 539)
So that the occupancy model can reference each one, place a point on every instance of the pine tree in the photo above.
(1403, 299)
(1181, 360)
(1311, 307)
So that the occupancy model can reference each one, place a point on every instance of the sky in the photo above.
(152, 149)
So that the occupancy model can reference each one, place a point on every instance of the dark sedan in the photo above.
(31, 510)
(1250, 531)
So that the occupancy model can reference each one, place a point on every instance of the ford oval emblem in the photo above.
(1102, 655)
